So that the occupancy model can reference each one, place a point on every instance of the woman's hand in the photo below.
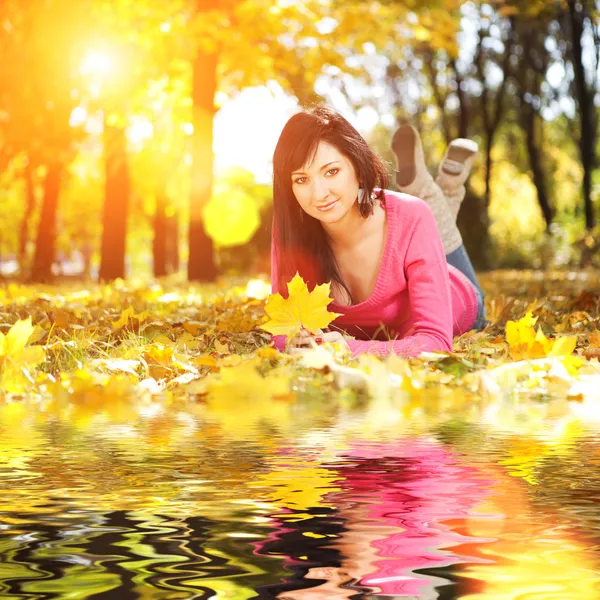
(305, 339)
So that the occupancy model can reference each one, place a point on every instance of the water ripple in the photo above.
(322, 503)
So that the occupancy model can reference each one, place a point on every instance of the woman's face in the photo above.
(326, 188)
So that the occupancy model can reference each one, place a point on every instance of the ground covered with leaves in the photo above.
(91, 344)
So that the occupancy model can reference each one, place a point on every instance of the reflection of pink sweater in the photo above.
(419, 299)
(414, 486)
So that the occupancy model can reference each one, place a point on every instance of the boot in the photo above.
(454, 171)
(412, 177)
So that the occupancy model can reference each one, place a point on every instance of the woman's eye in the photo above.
(300, 180)
(333, 171)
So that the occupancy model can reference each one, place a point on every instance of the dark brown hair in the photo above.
(303, 245)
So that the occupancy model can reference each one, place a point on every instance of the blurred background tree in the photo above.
(136, 136)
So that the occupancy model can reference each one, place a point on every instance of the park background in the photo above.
(136, 136)
(153, 442)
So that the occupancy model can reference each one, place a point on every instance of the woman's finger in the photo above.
(334, 337)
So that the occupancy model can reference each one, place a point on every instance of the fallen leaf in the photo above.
(128, 315)
(302, 309)
(594, 339)
(16, 357)
(194, 327)
(221, 348)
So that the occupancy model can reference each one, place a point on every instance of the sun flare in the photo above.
(97, 63)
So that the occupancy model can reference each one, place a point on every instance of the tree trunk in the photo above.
(590, 220)
(463, 103)
(584, 97)
(528, 118)
(201, 262)
(473, 224)
(489, 144)
(159, 243)
(438, 94)
(45, 246)
(29, 209)
(116, 204)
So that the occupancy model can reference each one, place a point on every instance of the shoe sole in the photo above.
(460, 151)
(403, 146)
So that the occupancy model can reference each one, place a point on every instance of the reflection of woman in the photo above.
(393, 502)
(381, 250)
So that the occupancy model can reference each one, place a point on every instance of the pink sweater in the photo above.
(418, 298)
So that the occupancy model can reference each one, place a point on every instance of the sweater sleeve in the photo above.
(428, 282)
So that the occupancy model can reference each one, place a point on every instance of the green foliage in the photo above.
(401, 58)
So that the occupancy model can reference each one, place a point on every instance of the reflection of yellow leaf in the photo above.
(244, 381)
(297, 485)
(301, 309)
(240, 398)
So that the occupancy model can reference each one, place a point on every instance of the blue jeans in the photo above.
(460, 259)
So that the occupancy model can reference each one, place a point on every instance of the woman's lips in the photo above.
(327, 207)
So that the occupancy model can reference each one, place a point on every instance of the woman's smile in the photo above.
(327, 207)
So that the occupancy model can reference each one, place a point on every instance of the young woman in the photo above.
(334, 221)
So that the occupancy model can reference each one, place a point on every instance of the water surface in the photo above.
(432, 498)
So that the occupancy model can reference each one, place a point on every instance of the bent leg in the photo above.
(460, 260)
(412, 177)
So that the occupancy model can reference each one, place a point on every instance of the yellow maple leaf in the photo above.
(518, 332)
(159, 359)
(16, 357)
(563, 346)
(15, 340)
(527, 343)
(302, 309)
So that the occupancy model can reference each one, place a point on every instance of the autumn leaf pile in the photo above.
(93, 345)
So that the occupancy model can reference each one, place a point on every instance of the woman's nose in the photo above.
(320, 190)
